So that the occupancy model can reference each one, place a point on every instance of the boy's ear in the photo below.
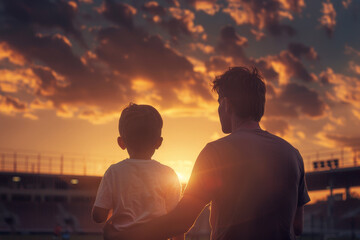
(158, 143)
(121, 143)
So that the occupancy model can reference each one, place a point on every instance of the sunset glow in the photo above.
(64, 82)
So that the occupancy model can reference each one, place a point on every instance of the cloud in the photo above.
(345, 141)
(281, 67)
(154, 8)
(346, 3)
(343, 89)
(119, 13)
(289, 66)
(181, 22)
(232, 44)
(39, 47)
(12, 80)
(207, 49)
(296, 101)
(147, 57)
(350, 50)
(217, 64)
(11, 105)
(279, 126)
(299, 50)
(41, 13)
(6, 53)
(354, 67)
(208, 6)
(328, 19)
(265, 14)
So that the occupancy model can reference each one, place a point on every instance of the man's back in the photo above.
(254, 182)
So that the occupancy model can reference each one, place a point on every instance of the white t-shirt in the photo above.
(137, 191)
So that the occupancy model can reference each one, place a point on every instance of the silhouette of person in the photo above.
(253, 179)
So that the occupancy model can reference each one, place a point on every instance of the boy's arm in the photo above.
(176, 222)
(103, 202)
(99, 214)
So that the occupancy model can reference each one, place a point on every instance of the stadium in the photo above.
(40, 200)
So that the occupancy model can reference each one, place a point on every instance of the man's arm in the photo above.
(99, 215)
(299, 221)
(172, 224)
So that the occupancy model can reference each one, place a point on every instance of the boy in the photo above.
(137, 189)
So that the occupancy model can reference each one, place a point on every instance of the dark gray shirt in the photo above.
(254, 181)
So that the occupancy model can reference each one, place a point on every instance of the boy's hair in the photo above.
(246, 90)
(140, 126)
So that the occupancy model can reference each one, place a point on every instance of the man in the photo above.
(253, 180)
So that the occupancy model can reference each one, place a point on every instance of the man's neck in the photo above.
(238, 124)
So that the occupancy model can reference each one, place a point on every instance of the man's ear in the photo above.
(158, 143)
(121, 143)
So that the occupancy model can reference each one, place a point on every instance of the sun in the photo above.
(182, 178)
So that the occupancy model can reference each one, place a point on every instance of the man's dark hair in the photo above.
(140, 126)
(246, 90)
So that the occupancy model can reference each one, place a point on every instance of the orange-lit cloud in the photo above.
(354, 67)
(328, 19)
(208, 6)
(261, 16)
(346, 3)
(10, 105)
(12, 56)
(202, 47)
(343, 88)
(13, 80)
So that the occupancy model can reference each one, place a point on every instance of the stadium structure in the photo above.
(54, 193)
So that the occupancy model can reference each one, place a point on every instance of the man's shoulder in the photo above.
(257, 137)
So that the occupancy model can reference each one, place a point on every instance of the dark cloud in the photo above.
(119, 13)
(299, 50)
(231, 44)
(173, 3)
(296, 101)
(144, 56)
(307, 100)
(51, 50)
(294, 67)
(266, 69)
(277, 29)
(180, 22)
(141, 54)
(154, 8)
(43, 13)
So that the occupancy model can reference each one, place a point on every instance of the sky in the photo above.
(68, 68)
